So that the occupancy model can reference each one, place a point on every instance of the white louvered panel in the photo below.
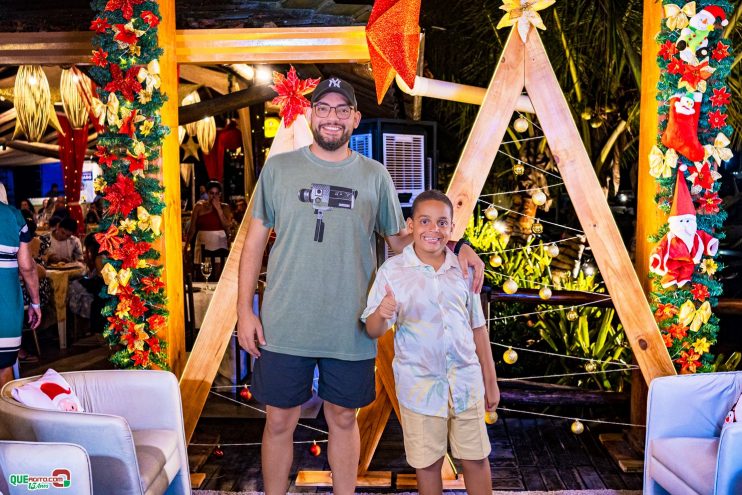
(404, 157)
(362, 143)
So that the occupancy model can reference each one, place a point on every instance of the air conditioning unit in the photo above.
(406, 148)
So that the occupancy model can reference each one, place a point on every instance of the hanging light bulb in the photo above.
(520, 124)
(577, 427)
(490, 417)
(539, 198)
(519, 168)
(496, 260)
(510, 356)
(572, 315)
(552, 250)
(510, 287)
(544, 293)
(491, 213)
(537, 228)
(590, 367)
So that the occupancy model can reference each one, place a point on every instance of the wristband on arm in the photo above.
(460, 243)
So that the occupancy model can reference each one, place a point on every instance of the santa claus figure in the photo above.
(693, 41)
(678, 253)
(51, 391)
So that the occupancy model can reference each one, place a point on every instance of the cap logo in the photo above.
(334, 83)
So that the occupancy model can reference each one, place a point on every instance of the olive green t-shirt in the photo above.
(325, 216)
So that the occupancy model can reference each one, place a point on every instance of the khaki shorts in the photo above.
(425, 436)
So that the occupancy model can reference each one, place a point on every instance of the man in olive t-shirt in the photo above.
(326, 204)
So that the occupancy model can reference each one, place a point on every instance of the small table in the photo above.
(60, 280)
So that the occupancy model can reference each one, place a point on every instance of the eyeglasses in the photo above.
(342, 111)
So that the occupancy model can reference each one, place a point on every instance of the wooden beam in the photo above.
(170, 175)
(218, 81)
(223, 104)
(593, 212)
(486, 134)
(41, 149)
(204, 46)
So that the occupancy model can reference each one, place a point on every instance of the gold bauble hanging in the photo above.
(519, 169)
(552, 250)
(496, 260)
(510, 356)
(520, 124)
(577, 427)
(33, 103)
(491, 213)
(70, 86)
(510, 287)
(544, 293)
(539, 198)
(490, 417)
(590, 367)
(572, 315)
(537, 228)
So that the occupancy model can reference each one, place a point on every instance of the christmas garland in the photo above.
(693, 140)
(125, 69)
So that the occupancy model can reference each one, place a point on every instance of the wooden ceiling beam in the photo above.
(218, 81)
(340, 44)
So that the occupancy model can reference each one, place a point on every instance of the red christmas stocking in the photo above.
(681, 133)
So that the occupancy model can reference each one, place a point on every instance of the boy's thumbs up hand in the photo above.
(388, 305)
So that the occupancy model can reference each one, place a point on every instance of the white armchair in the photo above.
(132, 429)
(686, 452)
(67, 463)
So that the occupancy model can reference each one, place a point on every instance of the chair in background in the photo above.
(686, 451)
(132, 429)
(67, 461)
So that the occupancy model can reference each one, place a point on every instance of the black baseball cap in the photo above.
(335, 85)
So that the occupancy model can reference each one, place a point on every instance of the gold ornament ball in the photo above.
(537, 228)
(490, 417)
(510, 287)
(544, 293)
(491, 213)
(539, 198)
(577, 427)
(572, 315)
(590, 367)
(496, 260)
(552, 250)
(510, 356)
(520, 124)
(519, 169)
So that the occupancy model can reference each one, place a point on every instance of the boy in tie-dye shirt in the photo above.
(443, 367)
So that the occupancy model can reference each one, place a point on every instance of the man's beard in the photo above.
(331, 145)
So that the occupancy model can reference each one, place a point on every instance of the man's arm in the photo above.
(249, 328)
(484, 354)
(27, 269)
(399, 241)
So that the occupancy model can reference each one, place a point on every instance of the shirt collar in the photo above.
(410, 258)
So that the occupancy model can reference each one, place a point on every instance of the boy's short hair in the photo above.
(69, 224)
(431, 195)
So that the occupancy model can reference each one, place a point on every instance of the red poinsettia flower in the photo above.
(717, 119)
(720, 97)
(152, 285)
(154, 344)
(100, 58)
(125, 6)
(700, 292)
(140, 358)
(667, 50)
(665, 311)
(676, 66)
(150, 18)
(128, 126)
(104, 158)
(122, 196)
(721, 51)
(702, 175)
(125, 35)
(693, 74)
(689, 361)
(130, 251)
(136, 163)
(667, 339)
(291, 91)
(117, 324)
(99, 25)
(677, 331)
(123, 306)
(709, 203)
(137, 307)
(126, 84)
(156, 322)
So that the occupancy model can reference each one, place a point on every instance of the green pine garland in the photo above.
(125, 70)
(690, 351)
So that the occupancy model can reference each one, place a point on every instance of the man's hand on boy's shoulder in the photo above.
(469, 258)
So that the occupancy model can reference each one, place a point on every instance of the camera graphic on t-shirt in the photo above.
(324, 198)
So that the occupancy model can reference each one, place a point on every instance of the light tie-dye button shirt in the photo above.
(435, 358)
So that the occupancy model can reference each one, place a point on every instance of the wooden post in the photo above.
(172, 251)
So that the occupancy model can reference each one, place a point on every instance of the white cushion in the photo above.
(155, 450)
(691, 459)
(51, 391)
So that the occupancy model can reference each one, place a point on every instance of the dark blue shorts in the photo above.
(282, 380)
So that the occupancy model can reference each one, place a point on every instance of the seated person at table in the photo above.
(443, 366)
(61, 245)
(85, 294)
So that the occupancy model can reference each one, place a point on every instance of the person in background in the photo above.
(61, 245)
(210, 225)
(25, 204)
(85, 294)
(15, 259)
(202, 194)
(53, 192)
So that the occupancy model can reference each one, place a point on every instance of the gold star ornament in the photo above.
(523, 13)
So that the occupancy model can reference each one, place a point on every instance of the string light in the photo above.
(554, 354)
(534, 218)
(544, 284)
(528, 248)
(544, 171)
(519, 191)
(513, 317)
(556, 416)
